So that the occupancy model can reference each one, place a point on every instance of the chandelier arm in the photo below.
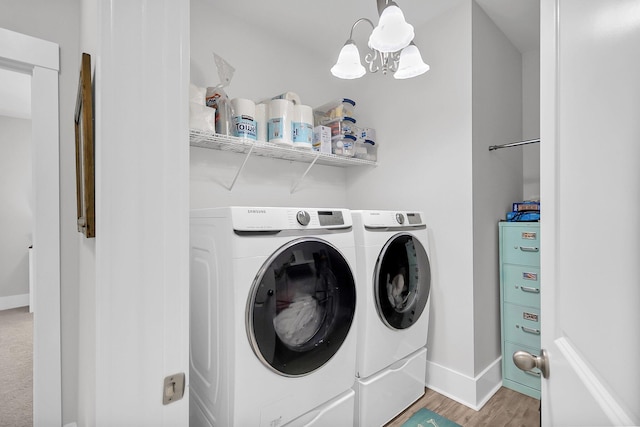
(357, 22)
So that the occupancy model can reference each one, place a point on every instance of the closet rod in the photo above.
(513, 144)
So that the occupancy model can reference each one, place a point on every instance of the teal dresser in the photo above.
(520, 302)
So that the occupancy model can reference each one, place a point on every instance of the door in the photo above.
(590, 184)
(402, 281)
(301, 307)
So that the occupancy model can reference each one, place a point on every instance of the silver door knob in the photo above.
(527, 361)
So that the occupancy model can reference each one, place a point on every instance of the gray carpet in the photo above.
(16, 368)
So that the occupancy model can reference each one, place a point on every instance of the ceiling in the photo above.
(326, 24)
(519, 20)
(324, 28)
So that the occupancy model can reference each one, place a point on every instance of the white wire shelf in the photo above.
(205, 139)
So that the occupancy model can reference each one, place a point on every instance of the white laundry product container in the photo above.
(302, 126)
(243, 121)
(261, 120)
(280, 120)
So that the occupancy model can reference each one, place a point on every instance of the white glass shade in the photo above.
(392, 33)
(411, 63)
(348, 65)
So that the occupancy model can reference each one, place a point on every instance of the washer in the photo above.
(394, 280)
(272, 317)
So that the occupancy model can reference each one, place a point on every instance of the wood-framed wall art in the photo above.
(85, 162)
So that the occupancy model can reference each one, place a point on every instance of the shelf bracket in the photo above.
(241, 168)
(297, 183)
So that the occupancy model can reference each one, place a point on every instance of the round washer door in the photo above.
(301, 307)
(402, 281)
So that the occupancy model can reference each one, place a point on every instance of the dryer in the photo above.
(394, 282)
(272, 316)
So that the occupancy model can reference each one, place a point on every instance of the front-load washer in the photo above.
(394, 282)
(272, 315)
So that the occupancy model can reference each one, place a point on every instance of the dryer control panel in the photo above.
(392, 219)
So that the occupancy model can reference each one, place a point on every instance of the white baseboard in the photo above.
(14, 301)
(471, 392)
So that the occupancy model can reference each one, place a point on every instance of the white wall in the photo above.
(42, 19)
(426, 134)
(425, 156)
(17, 208)
(434, 134)
(142, 213)
(531, 124)
(134, 274)
(440, 154)
(497, 178)
(87, 304)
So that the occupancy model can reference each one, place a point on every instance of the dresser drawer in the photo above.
(521, 244)
(511, 372)
(521, 325)
(521, 285)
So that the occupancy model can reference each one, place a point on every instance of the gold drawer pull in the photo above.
(530, 330)
(529, 289)
(529, 249)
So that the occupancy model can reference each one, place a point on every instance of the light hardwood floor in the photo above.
(505, 408)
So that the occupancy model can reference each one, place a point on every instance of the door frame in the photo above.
(40, 59)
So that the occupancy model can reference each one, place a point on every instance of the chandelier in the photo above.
(391, 48)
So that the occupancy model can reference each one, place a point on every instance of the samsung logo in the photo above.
(256, 211)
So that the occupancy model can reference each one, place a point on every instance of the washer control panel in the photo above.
(277, 218)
